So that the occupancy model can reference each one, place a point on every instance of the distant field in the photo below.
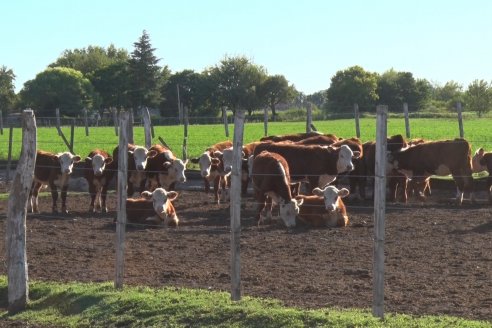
(477, 131)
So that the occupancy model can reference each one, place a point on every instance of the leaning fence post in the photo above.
(235, 206)
(131, 122)
(72, 135)
(309, 118)
(1, 122)
(226, 123)
(407, 122)
(379, 211)
(356, 116)
(265, 120)
(58, 124)
(460, 120)
(147, 129)
(121, 201)
(15, 235)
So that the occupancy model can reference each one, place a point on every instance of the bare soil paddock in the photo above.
(438, 256)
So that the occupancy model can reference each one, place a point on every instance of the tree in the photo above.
(449, 94)
(112, 83)
(7, 89)
(353, 85)
(318, 98)
(275, 90)
(479, 97)
(144, 72)
(237, 81)
(58, 87)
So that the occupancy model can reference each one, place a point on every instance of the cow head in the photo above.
(161, 201)
(477, 165)
(98, 163)
(67, 160)
(205, 161)
(227, 158)
(330, 195)
(140, 155)
(176, 169)
(289, 211)
(344, 161)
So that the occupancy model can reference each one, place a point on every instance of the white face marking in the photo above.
(98, 164)
(66, 162)
(288, 212)
(330, 195)
(140, 157)
(344, 162)
(476, 166)
(227, 159)
(177, 170)
(205, 162)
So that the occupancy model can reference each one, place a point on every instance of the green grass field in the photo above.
(101, 305)
(477, 132)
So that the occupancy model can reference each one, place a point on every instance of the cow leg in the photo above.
(93, 193)
(460, 187)
(54, 196)
(244, 183)
(489, 187)
(130, 189)
(36, 186)
(104, 193)
(206, 185)
(260, 198)
(98, 198)
(216, 189)
(393, 186)
(64, 199)
(402, 189)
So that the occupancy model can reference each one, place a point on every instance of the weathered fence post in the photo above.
(15, 235)
(9, 156)
(379, 211)
(309, 118)
(1, 122)
(235, 205)
(147, 129)
(131, 122)
(265, 120)
(58, 123)
(407, 122)
(86, 123)
(226, 122)
(460, 120)
(115, 121)
(357, 116)
(72, 135)
(121, 201)
(185, 139)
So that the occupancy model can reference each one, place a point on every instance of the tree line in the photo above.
(96, 78)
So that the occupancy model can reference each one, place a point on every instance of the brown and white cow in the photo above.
(482, 161)
(98, 174)
(437, 158)
(137, 161)
(155, 206)
(324, 208)
(164, 169)
(271, 182)
(290, 137)
(53, 170)
(211, 168)
(311, 161)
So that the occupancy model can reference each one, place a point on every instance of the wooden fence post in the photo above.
(265, 120)
(357, 116)
(15, 235)
(147, 129)
(407, 122)
(58, 123)
(460, 120)
(309, 118)
(115, 121)
(86, 122)
(185, 139)
(235, 206)
(379, 211)
(121, 201)
(72, 135)
(9, 156)
(1, 122)
(226, 122)
(130, 127)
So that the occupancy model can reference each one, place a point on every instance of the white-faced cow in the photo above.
(271, 182)
(324, 208)
(164, 169)
(155, 206)
(98, 173)
(482, 161)
(53, 170)
(437, 158)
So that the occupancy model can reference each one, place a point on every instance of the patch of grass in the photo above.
(100, 305)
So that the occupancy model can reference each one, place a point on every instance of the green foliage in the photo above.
(7, 89)
(479, 97)
(58, 87)
(449, 94)
(101, 305)
(112, 83)
(275, 90)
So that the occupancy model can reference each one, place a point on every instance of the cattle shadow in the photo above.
(481, 229)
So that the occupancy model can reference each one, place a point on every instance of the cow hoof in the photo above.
(104, 210)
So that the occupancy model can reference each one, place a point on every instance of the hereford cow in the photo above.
(437, 158)
(137, 161)
(164, 169)
(324, 208)
(155, 206)
(53, 170)
(211, 168)
(271, 181)
(98, 174)
(482, 161)
(290, 137)
(311, 161)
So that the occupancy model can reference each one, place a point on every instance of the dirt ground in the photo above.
(438, 256)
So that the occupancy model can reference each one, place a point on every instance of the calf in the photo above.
(482, 161)
(271, 179)
(154, 206)
(98, 175)
(52, 170)
(324, 208)
(164, 169)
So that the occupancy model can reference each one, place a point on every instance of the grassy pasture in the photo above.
(477, 132)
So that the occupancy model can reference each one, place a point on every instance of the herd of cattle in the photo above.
(296, 172)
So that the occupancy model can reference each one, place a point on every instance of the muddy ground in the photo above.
(438, 256)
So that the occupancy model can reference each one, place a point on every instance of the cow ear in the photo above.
(480, 151)
(194, 160)
(215, 161)
(344, 192)
(217, 153)
(130, 152)
(317, 191)
(356, 154)
(166, 165)
(88, 159)
(76, 159)
(108, 160)
(151, 154)
(172, 195)
(146, 194)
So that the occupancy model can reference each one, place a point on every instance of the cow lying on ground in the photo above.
(154, 207)
(98, 176)
(324, 208)
(164, 169)
(53, 170)
(437, 158)
(271, 182)
(482, 161)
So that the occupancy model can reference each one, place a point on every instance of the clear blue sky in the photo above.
(306, 41)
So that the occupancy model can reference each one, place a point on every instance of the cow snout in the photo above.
(331, 208)
(98, 173)
(350, 167)
(67, 171)
(140, 167)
